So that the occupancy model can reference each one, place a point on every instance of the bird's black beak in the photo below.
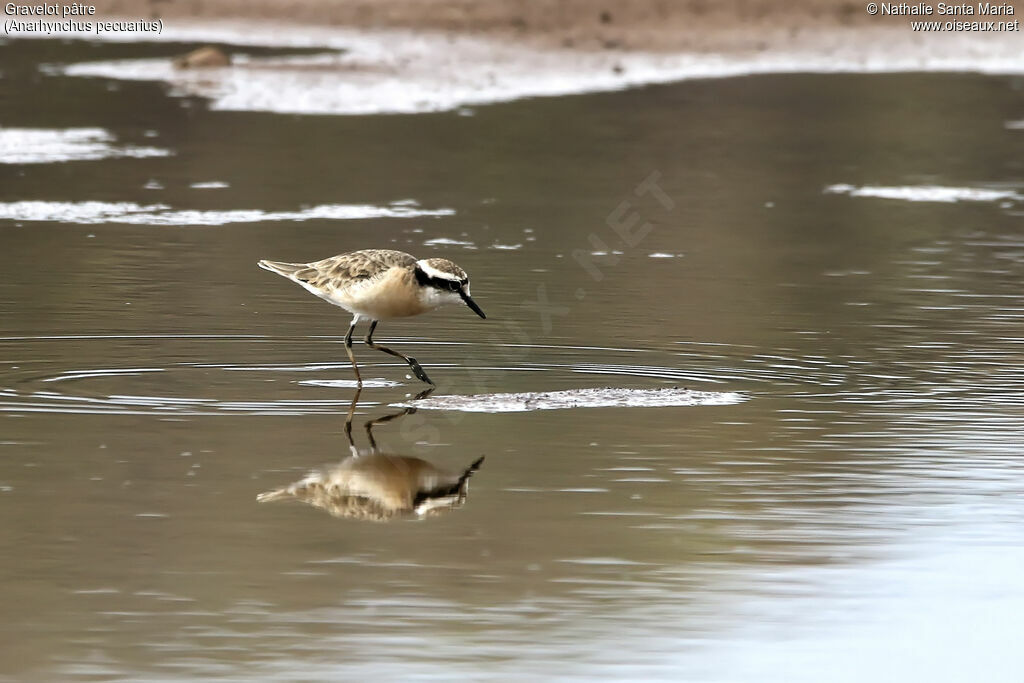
(472, 304)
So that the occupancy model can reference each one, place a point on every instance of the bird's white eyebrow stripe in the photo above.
(430, 271)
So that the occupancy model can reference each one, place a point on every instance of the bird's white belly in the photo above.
(393, 295)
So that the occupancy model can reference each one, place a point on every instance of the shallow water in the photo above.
(855, 515)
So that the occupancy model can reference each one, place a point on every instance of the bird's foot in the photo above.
(418, 371)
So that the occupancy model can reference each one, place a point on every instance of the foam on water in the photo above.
(448, 242)
(94, 213)
(48, 146)
(608, 397)
(926, 193)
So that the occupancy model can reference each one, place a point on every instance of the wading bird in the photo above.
(381, 284)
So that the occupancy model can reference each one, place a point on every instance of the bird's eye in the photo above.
(453, 285)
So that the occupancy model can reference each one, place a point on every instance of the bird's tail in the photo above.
(282, 268)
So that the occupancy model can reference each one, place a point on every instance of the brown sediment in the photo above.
(650, 25)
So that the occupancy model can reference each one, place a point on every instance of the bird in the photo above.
(380, 284)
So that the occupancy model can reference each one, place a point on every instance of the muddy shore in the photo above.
(650, 25)
(409, 56)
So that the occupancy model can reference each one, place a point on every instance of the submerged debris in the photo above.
(207, 56)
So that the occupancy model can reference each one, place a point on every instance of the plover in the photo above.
(381, 284)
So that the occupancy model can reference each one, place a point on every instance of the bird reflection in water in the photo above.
(379, 486)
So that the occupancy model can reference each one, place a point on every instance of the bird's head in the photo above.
(444, 282)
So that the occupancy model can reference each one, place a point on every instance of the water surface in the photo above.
(857, 515)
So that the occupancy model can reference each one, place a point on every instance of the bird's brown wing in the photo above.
(344, 270)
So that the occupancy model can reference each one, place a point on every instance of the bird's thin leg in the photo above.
(370, 424)
(416, 369)
(348, 423)
(348, 350)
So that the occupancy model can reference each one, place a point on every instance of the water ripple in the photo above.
(95, 384)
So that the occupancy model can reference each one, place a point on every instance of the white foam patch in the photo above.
(348, 383)
(85, 213)
(1015, 125)
(448, 242)
(608, 397)
(211, 185)
(371, 72)
(49, 146)
(94, 213)
(926, 193)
